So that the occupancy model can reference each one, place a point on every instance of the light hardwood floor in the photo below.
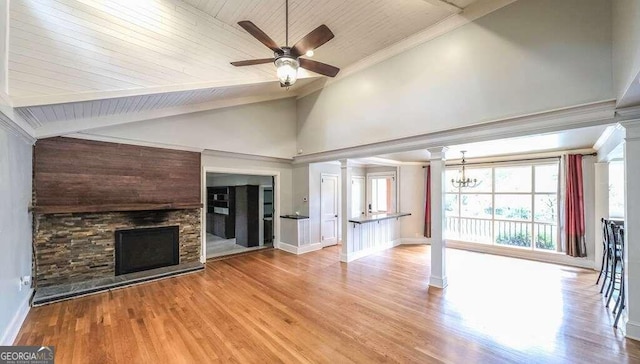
(276, 307)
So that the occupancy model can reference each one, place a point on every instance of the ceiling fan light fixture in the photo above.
(287, 70)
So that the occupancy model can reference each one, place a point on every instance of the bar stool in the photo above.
(612, 243)
(620, 302)
(604, 266)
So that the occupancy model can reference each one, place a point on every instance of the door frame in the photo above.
(338, 212)
(252, 172)
(394, 175)
(364, 192)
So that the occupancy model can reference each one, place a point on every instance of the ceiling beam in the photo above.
(598, 113)
(13, 122)
(67, 127)
(104, 95)
(446, 5)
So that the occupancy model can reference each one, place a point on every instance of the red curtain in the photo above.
(574, 206)
(427, 207)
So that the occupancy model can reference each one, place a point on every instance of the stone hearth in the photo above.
(78, 247)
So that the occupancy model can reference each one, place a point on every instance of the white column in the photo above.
(347, 234)
(632, 224)
(438, 247)
(601, 209)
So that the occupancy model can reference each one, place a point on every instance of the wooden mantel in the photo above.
(75, 175)
(111, 208)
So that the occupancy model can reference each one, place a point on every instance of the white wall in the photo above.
(265, 128)
(301, 189)
(530, 56)
(237, 180)
(412, 200)
(15, 232)
(626, 44)
(601, 209)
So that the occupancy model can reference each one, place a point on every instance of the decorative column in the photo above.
(347, 234)
(438, 276)
(632, 224)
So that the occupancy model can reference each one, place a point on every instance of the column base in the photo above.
(632, 330)
(438, 282)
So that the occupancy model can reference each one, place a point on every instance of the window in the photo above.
(381, 193)
(616, 189)
(514, 205)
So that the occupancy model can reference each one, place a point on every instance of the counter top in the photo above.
(378, 217)
(294, 217)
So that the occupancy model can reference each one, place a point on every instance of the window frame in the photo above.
(532, 223)
(394, 191)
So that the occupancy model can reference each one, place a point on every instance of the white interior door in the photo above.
(329, 210)
(358, 207)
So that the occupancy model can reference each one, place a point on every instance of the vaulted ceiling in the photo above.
(83, 59)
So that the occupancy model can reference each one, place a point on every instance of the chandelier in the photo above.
(463, 180)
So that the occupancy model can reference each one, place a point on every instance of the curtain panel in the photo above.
(574, 207)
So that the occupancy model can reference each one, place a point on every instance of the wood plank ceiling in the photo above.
(89, 50)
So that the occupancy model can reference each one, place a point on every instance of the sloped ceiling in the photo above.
(85, 59)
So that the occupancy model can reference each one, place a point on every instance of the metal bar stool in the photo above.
(620, 302)
(604, 266)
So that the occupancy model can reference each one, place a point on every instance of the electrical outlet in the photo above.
(25, 281)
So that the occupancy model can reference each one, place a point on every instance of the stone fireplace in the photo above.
(143, 249)
(77, 247)
(108, 215)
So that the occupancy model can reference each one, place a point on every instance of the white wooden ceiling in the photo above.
(94, 57)
(40, 115)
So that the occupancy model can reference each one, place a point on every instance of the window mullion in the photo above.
(493, 206)
(533, 207)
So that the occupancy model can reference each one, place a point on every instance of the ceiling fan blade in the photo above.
(259, 35)
(253, 62)
(313, 40)
(319, 67)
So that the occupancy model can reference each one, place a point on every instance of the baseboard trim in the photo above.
(297, 250)
(438, 282)
(350, 257)
(632, 331)
(522, 254)
(415, 241)
(11, 333)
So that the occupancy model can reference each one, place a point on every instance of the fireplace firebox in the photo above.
(146, 248)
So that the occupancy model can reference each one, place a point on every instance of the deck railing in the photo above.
(527, 234)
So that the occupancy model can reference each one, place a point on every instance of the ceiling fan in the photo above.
(287, 59)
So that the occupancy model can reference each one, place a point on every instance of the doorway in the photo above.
(358, 191)
(239, 213)
(329, 209)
